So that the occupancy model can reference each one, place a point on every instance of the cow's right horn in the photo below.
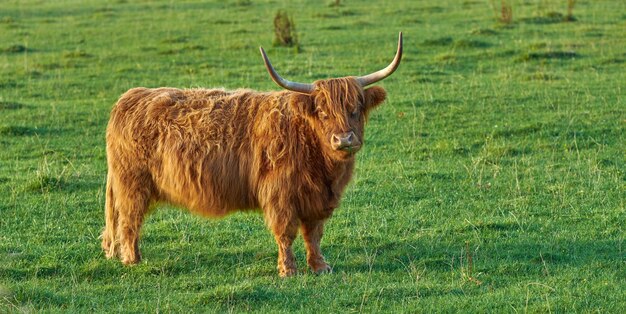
(381, 74)
(292, 86)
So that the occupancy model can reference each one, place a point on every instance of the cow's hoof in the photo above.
(110, 251)
(131, 259)
(323, 269)
(107, 245)
(109, 254)
(284, 273)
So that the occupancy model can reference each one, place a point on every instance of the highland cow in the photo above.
(288, 153)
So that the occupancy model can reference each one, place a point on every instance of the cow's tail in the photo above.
(109, 243)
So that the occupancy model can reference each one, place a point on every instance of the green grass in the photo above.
(505, 144)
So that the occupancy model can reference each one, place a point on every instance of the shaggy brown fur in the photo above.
(215, 152)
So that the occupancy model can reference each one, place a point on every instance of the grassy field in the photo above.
(492, 180)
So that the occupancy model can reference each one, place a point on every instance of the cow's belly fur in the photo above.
(210, 185)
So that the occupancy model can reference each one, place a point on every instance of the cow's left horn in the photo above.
(292, 86)
(379, 75)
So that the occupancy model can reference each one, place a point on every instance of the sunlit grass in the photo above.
(499, 144)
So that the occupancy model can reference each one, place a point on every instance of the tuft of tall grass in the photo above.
(570, 11)
(285, 30)
(503, 12)
(334, 3)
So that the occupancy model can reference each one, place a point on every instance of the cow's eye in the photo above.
(354, 115)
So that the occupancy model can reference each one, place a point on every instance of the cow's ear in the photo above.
(302, 104)
(374, 96)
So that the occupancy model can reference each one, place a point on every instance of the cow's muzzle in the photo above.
(345, 141)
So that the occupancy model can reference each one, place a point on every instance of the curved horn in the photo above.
(292, 86)
(381, 74)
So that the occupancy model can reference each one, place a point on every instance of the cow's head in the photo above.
(337, 108)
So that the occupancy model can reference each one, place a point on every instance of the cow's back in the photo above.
(190, 144)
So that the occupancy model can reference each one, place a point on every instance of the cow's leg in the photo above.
(109, 244)
(132, 200)
(312, 232)
(285, 231)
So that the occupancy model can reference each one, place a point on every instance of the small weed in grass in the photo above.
(538, 45)
(47, 177)
(7, 20)
(553, 15)
(563, 55)
(503, 12)
(570, 11)
(9, 105)
(334, 27)
(76, 54)
(334, 3)
(285, 30)
(15, 130)
(16, 49)
(467, 272)
(42, 183)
